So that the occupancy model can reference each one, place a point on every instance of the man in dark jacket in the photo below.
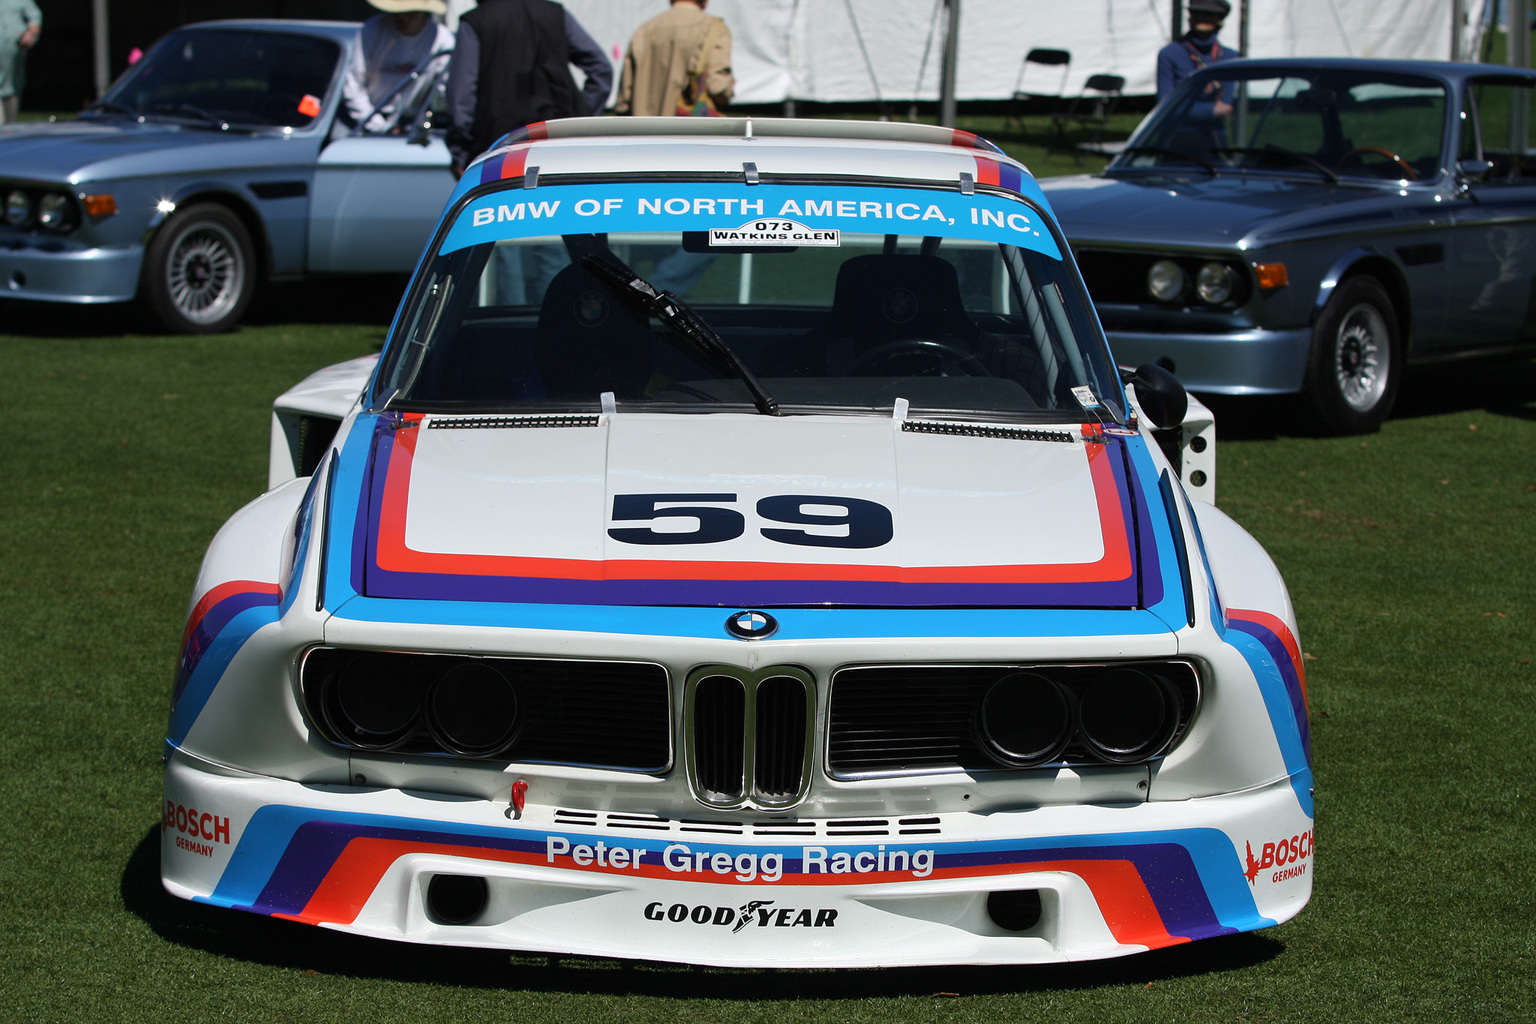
(511, 67)
(1196, 49)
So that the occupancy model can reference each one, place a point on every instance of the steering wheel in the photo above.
(939, 352)
(1403, 165)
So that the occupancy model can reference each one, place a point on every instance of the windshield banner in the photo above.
(726, 207)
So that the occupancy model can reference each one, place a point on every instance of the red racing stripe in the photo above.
(1117, 887)
(219, 593)
(393, 555)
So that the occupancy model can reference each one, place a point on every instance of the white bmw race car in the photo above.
(745, 551)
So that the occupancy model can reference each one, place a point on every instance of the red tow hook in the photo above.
(519, 798)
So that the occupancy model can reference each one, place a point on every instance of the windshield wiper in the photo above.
(1285, 154)
(189, 110)
(679, 318)
(1177, 154)
(106, 106)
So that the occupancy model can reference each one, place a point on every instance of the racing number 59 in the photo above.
(868, 523)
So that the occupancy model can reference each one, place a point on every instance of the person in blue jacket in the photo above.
(1196, 49)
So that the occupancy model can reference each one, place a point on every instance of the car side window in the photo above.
(1498, 127)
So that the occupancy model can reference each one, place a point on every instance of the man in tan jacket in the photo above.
(665, 50)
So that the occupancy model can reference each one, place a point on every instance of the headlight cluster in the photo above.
(606, 714)
(470, 708)
(1118, 716)
(43, 210)
(1212, 282)
(895, 720)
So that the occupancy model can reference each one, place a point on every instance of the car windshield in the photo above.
(697, 297)
(215, 76)
(1330, 124)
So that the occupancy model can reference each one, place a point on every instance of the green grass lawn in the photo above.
(1409, 556)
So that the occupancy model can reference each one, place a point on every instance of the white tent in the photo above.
(863, 50)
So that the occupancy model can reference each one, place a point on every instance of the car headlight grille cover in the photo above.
(1025, 719)
(895, 720)
(598, 714)
(1125, 715)
(369, 706)
(472, 710)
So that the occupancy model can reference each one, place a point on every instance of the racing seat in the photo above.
(879, 300)
(588, 342)
(879, 304)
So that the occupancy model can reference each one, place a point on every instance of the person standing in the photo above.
(390, 46)
(21, 22)
(665, 52)
(511, 67)
(1196, 49)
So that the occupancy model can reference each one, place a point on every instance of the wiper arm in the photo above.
(1285, 154)
(108, 106)
(1177, 154)
(188, 110)
(679, 318)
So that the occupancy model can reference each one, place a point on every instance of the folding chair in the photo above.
(1088, 112)
(1025, 94)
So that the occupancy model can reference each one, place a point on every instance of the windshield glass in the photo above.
(820, 298)
(240, 76)
(1329, 123)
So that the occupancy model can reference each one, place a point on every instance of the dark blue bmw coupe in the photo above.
(1314, 226)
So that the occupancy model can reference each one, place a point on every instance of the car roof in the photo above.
(877, 149)
(341, 31)
(1446, 70)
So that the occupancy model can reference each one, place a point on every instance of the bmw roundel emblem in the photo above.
(751, 625)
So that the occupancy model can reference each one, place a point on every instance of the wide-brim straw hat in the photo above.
(406, 6)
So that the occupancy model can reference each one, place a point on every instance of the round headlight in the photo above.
(18, 208)
(472, 710)
(54, 212)
(1214, 283)
(1127, 716)
(1165, 281)
(1025, 719)
(371, 702)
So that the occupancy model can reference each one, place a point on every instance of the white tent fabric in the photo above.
(810, 49)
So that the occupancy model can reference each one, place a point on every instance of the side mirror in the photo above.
(1159, 393)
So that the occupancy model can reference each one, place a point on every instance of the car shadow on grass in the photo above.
(1504, 388)
(286, 944)
(1500, 388)
(367, 300)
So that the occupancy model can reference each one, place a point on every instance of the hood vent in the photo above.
(983, 430)
(513, 422)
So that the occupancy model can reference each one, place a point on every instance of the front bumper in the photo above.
(1251, 361)
(69, 273)
(881, 891)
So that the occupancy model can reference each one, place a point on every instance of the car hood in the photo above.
(83, 151)
(791, 511)
(1218, 211)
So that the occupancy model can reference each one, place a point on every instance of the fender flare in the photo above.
(1393, 279)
